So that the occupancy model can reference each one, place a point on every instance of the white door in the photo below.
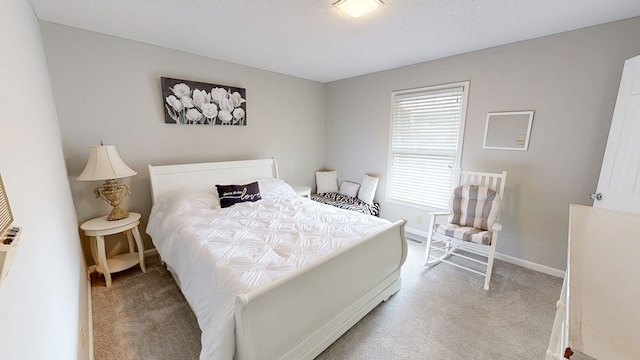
(619, 183)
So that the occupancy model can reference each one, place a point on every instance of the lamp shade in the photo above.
(104, 163)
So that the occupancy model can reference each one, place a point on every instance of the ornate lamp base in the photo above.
(113, 193)
(117, 213)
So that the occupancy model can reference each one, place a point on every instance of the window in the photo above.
(6, 218)
(426, 143)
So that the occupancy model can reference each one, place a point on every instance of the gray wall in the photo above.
(107, 88)
(571, 82)
(44, 298)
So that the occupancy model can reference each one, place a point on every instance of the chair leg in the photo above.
(427, 251)
(492, 253)
(487, 277)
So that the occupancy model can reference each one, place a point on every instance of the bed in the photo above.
(278, 278)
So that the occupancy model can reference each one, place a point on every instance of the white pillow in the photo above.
(327, 181)
(349, 188)
(187, 199)
(271, 188)
(368, 188)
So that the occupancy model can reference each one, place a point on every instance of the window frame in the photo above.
(460, 143)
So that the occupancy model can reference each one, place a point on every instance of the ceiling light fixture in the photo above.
(357, 8)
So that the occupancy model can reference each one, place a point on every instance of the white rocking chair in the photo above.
(472, 225)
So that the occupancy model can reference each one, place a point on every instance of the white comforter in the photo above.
(220, 253)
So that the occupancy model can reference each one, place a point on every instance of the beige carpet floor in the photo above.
(440, 313)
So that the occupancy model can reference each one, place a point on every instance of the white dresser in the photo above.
(598, 314)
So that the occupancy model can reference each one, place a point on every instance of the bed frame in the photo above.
(300, 315)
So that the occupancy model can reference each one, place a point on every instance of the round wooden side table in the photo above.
(99, 228)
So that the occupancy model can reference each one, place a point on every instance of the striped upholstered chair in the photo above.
(471, 226)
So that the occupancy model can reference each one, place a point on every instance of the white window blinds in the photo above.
(6, 218)
(426, 142)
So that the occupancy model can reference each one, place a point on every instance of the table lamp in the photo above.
(105, 164)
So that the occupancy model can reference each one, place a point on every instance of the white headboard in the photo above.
(169, 177)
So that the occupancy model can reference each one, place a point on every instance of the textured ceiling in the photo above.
(313, 40)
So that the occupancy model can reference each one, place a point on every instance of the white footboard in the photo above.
(300, 315)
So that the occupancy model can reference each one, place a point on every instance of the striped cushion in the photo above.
(474, 206)
(465, 233)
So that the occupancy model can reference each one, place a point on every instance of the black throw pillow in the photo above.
(233, 194)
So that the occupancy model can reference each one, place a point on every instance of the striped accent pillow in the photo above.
(475, 206)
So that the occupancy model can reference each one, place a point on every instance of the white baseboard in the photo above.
(422, 236)
(416, 234)
(90, 329)
(531, 265)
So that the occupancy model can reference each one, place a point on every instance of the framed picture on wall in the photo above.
(198, 103)
(508, 130)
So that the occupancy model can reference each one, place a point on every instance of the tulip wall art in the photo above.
(191, 102)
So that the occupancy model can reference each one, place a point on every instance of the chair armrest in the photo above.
(496, 227)
(433, 215)
(439, 213)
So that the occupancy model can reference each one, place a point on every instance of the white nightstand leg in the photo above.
(102, 259)
(136, 235)
(130, 240)
(94, 251)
